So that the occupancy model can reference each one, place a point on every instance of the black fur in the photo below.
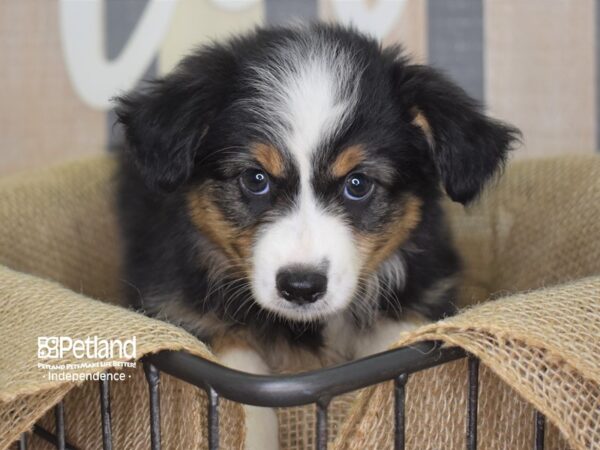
(177, 130)
(468, 146)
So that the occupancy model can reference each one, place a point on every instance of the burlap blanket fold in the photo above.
(533, 243)
(32, 307)
(544, 344)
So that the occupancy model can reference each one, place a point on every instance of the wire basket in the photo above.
(318, 387)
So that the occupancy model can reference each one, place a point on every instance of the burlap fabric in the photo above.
(540, 227)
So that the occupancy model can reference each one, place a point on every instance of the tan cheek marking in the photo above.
(235, 242)
(376, 248)
(270, 158)
(420, 121)
(347, 160)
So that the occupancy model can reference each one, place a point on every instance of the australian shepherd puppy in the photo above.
(280, 196)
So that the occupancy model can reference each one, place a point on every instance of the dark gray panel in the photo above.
(455, 42)
(283, 11)
(121, 17)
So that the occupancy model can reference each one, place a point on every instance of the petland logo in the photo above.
(58, 347)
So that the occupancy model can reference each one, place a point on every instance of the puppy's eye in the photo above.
(358, 186)
(255, 182)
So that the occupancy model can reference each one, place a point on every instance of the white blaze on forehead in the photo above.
(306, 98)
(307, 90)
(315, 110)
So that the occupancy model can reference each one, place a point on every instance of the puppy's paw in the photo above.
(262, 427)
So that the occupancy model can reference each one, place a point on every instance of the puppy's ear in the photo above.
(467, 147)
(165, 123)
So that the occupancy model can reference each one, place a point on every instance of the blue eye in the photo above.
(255, 182)
(357, 186)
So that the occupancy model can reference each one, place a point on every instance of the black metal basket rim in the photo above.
(317, 386)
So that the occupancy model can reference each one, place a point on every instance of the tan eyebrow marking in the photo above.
(269, 157)
(421, 121)
(348, 160)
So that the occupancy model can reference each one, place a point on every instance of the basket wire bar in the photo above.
(105, 414)
(213, 419)
(59, 417)
(540, 426)
(472, 403)
(51, 437)
(278, 391)
(322, 409)
(399, 401)
(22, 444)
(153, 378)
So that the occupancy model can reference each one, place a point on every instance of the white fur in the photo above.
(307, 236)
(262, 428)
(315, 108)
(382, 336)
(305, 93)
(306, 96)
(393, 272)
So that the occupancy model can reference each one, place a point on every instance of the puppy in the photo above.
(280, 197)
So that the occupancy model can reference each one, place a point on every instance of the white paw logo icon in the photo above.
(48, 347)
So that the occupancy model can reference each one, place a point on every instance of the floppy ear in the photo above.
(165, 123)
(467, 147)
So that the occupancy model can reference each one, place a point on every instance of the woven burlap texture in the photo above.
(539, 227)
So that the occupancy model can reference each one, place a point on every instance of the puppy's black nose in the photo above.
(301, 285)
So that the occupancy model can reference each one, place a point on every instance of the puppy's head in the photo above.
(307, 157)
